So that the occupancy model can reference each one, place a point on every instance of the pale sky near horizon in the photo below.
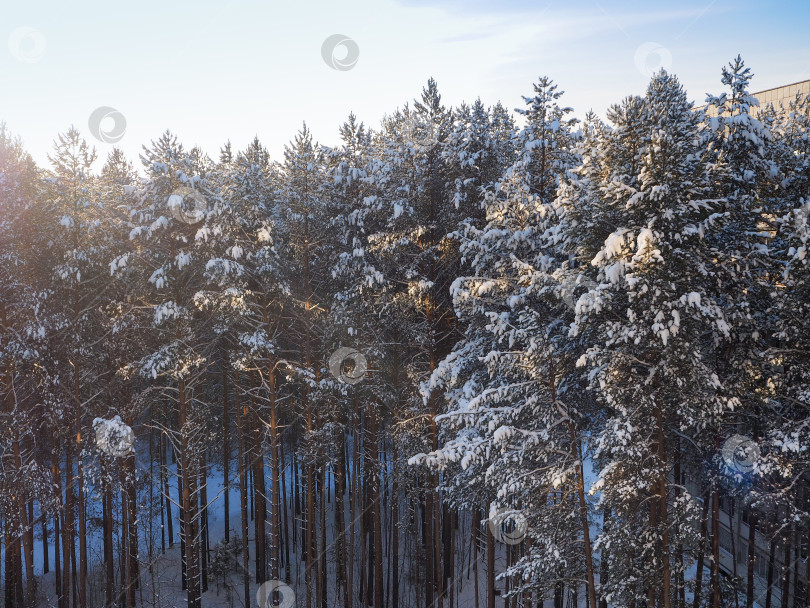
(229, 70)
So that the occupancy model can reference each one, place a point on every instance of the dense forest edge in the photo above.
(468, 358)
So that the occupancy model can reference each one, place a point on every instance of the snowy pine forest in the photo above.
(468, 358)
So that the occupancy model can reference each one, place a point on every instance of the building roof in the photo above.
(779, 96)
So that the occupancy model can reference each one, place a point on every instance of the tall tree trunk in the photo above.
(27, 530)
(395, 530)
(14, 595)
(182, 532)
(57, 478)
(715, 548)
(490, 569)
(109, 564)
(340, 522)
(376, 514)
(166, 492)
(352, 502)
(666, 572)
(604, 572)
(680, 583)
(275, 488)
(226, 449)
(311, 540)
(322, 594)
(123, 560)
(259, 494)
(752, 554)
(704, 533)
(286, 526)
(771, 572)
(583, 505)
(243, 504)
(807, 572)
(188, 501)
(204, 538)
(476, 525)
(46, 565)
(132, 511)
(82, 532)
(68, 536)
(787, 566)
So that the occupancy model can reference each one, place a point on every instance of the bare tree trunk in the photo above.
(166, 492)
(109, 570)
(189, 512)
(340, 524)
(57, 478)
(123, 559)
(27, 530)
(68, 555)
(365, 547)
(787, 566)
(322, 594)
(375, 508)
(583, 505)
(311, 540)
(666, 571)
(226, 449)
(243, 506)
(286, 526)
(352, 502)
(275, 489)
(476, 525)
(204, 538)
(771, 572)
(715, 548)
(82, 532)
(259, 494)
(132, 510)
(14, 592)
(752, 545)
(490, 569)
(46, 566)
(807, 575)
(14, 595)
(604, 573)
(451, 561)
(395, 533)
(430, 546)
(680, 583)
(704, 533)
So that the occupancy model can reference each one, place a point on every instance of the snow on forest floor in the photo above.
(161, 584)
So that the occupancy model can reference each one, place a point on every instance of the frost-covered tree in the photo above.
(170, 209)
(507, 432)
(26, 234)
(553, 335)
(652, 324)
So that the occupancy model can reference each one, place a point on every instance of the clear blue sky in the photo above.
(212, 71)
